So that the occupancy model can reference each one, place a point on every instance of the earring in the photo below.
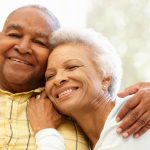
(104, 87)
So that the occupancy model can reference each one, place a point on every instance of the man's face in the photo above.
(24, 50)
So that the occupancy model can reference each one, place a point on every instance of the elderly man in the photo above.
(24, 49)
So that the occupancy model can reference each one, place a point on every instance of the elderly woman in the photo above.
(82, 78)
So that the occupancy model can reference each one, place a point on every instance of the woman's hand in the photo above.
(42, 113)
(136, 112)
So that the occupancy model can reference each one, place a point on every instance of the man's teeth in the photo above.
(64, 93)
(17, 60)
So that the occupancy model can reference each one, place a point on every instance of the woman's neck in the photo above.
(93, 119)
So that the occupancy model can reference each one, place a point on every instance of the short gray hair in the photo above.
(104, 56)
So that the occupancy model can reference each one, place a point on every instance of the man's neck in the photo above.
(16, 88)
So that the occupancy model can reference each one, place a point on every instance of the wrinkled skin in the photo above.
(137, 122)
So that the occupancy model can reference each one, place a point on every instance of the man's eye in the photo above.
(14, 35)
(40, 43)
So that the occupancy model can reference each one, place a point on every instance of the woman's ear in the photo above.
(106, 82)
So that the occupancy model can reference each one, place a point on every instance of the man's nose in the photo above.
(23, 46)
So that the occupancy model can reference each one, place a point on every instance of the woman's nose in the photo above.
(59, 82)
(60, 78)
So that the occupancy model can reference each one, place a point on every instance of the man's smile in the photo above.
(20, 61)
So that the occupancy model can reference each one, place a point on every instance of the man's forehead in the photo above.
(36, 23)
(29, 14)
(19, 27)
(26, 10)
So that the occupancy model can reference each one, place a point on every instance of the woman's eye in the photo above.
(49, 77)
(72, 67)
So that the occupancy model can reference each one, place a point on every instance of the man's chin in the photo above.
(18, 78)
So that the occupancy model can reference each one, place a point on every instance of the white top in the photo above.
(50, 139)
(110, 140)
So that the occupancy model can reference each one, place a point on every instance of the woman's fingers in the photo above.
(42, 113)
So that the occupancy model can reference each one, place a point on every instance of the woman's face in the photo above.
(73, 80)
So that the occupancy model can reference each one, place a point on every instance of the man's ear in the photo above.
(106, 82)
(1, 34)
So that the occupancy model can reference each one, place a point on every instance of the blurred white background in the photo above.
(126, 24)
(70, 12)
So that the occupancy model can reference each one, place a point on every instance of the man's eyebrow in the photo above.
(18, 27)
(14, 26)
(42, 34)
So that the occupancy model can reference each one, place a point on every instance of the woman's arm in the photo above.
(136, 112)
(49, 139)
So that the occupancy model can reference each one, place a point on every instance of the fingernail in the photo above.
(125, 135)
(117, 119)
(136, 135)
(38, 96)
(119, 130)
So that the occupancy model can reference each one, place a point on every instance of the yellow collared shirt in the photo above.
(15, 130)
